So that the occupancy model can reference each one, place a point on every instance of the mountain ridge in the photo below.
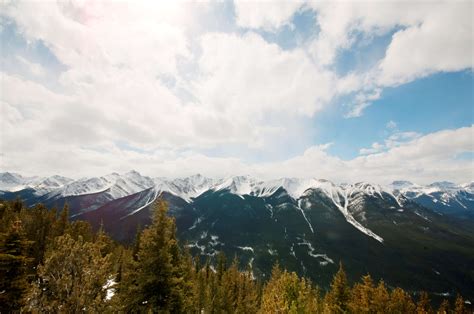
(308, 225)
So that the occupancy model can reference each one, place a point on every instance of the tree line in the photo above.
(50, 264)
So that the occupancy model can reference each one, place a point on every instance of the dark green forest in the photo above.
(50, 264)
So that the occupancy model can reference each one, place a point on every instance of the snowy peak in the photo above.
(186, 188)
(49, 184)
(14, 182)
(11, 181)
(468, 187)
(12, 178)
(114, 184)
(117, 185)
(240, 185)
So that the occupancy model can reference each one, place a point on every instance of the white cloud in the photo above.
(148, 76)
(391, 125)
(394, 140)
(246, 75)
(35, 69)
(423, 159)
(269, 15)
(429, 37)
(361, 101)
(442, 42)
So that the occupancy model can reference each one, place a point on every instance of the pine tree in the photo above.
(127, 297)
(159, 284)
(459, 307)
(36, 225)
(423, 305)
(338, 296)
(14, 265)
(444, 307)
(248, 301)
(72, 278)
(400, 302)
(287, 293)
(362, 296)
(381, 298)
(61, 224)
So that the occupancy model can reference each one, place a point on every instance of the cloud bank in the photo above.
(156, 86)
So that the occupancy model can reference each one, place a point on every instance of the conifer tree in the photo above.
(61, 224)
(36, 225)
(362, 296)
(287, 293)
(381, 298)
(459, 307)
(72, 278)
(127, 297)
(14, 264)
(400, 302)
(159, 284)
(443, 307)
(423, 305)
(337, 298)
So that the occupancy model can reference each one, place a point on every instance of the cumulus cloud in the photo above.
(406, 156)
(429, 37)
(394, 140)
(265, 14)
(274, 80)
(441, 42)
(422, 159)
(146, 86)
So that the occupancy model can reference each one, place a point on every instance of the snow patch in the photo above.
(246, 248)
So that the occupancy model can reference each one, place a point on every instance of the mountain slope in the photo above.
(307, 225)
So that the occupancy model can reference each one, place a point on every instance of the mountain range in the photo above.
(414, 236)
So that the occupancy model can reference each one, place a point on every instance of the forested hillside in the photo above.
(49, 264)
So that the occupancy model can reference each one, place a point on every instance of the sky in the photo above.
(347, 91)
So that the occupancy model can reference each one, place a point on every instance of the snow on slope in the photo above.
(346, 197)
(49, 184)
(239, 185)
(114, 184)
(445, 193)
(344, 207)
(186, 188)
(340, 195)
(14, 182)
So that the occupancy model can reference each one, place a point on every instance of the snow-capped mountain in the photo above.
(185, 188)
(11, 181)
(308, 225)
(443, 196)
(15, 182)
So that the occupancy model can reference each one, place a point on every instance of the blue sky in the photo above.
(348, 91)
(442, 101)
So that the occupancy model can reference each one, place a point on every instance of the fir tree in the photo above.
(459, 307)
(14, 264)
(61, 224)
(159, 284)
(444, 307)
(287, 293)
(381, 298)
(338, 296)
(72, 278)
(423, 305)
(362, 296)
(400, 302)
